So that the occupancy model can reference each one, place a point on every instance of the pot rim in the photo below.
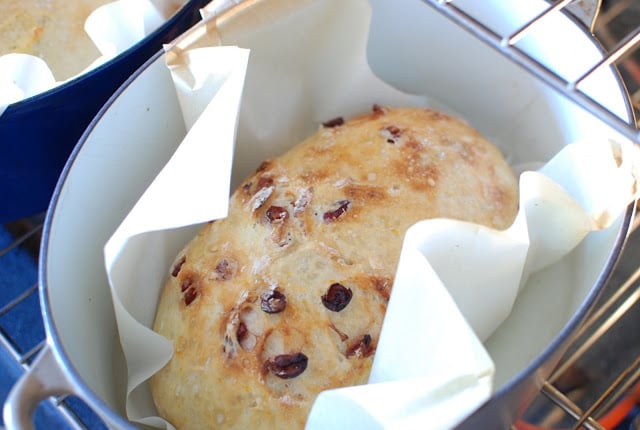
(96, 403)
(53, 338)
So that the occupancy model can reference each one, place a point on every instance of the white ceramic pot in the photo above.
(409, 46)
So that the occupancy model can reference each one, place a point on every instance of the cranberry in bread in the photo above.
(285, 297)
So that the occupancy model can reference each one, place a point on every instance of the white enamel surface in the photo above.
(411, 47)
(128, 145)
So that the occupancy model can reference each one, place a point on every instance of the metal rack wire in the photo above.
(508, 45)
(606, 29)
(568, 399)
(558, 404)
(564, 402)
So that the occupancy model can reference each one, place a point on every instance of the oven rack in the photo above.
(594, 18)
(609, 339)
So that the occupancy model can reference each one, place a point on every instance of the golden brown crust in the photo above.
(286, 296)
(50, 29)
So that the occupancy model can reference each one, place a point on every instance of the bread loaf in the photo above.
(286, 296)
(50, 29)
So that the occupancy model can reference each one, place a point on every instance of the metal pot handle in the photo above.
(44, 379)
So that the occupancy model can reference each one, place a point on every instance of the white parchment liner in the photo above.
(456, 281)
(113, 28)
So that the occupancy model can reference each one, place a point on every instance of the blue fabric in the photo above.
(22, 324)
(18, 273)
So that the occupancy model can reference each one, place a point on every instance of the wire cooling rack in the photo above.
(608, 344)
(597, 383)
(617, 50)
(596, 386)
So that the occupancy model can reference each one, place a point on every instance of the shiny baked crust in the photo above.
(286, 296)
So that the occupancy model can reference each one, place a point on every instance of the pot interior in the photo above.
(411, 47)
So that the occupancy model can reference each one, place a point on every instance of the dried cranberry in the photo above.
(273, 302)
(377, 109)
(190, 295)
(264, 182)
(241, 332)
(287, 366)
(362, 348)
(225, 269)
(337, 297)
(178, 266)
(277, 214)
(335, 122)
(393, 132)
(333, 215)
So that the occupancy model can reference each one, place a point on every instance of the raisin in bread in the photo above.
(286, 297)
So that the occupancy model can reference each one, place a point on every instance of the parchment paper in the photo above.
(456, 281)
(113, 28)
